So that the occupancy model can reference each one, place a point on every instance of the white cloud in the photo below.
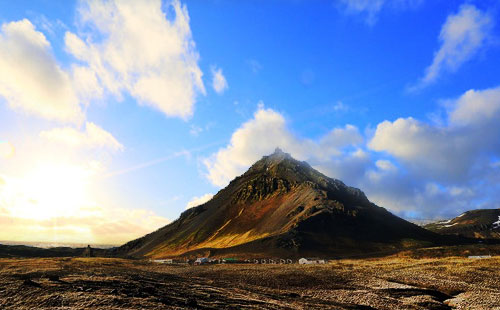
(30, 79)
(385, 165)
(86, 84)
(461, 36)
(136, 47)
(196, 201)
(262, 134)
(219, 82)
(371, 8)
(451, 151)
(476, 107)
(450, 166)
(195, 130)
(93, 137)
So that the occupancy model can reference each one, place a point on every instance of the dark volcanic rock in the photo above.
(483, 224)
(282, 207)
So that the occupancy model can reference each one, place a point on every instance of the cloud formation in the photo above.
(371, 8)
(261, 135)
(415, 168)
(461, 37)
(139, 48)
(31, 79)
(219, 82)
(93, 137)
(453, 151)
(196, 201)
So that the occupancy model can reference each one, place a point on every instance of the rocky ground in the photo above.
(382, 283)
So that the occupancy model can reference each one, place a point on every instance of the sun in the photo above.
(50, 191)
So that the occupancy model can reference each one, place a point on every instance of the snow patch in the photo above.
(444, 222)
(496, 224)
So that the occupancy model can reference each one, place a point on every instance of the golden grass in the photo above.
(396, 282)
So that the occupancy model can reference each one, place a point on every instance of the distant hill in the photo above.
(484, 224)
(7, 251)
(282, 207)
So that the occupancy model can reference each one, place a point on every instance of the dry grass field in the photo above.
(382, 283)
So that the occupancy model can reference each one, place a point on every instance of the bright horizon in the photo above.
(117, 116)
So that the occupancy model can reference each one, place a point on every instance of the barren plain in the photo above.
(396, 282)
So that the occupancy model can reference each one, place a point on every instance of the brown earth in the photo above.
(397, 282)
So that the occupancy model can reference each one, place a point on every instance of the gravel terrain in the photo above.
(383, 283)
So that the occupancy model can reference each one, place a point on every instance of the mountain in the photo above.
(484, 224)
(282, 207)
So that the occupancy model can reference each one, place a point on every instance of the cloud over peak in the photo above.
(413, 167)
(267, 130)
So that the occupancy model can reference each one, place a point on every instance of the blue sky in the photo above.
(116, 116)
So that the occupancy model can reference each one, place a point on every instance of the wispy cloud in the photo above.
(147, 164)
(462, 36)
(371, 8)
(157, 161)
(254, 65)
(219, 82)
(93, 137)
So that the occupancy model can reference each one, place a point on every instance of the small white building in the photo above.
(479, 256)
(201, 261)
(309, 261)
(163, 261)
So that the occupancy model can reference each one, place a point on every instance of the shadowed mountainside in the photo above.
(282, 207)
(483, 224)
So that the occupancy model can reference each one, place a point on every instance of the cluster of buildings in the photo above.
(207, 260)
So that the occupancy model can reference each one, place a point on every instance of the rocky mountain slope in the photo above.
(282, 207)
(484, 224)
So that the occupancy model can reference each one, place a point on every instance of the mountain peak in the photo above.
(277, 162)
(279, 155)
(278, 151)
(280, 207)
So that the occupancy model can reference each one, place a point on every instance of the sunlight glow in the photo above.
(49, 191)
